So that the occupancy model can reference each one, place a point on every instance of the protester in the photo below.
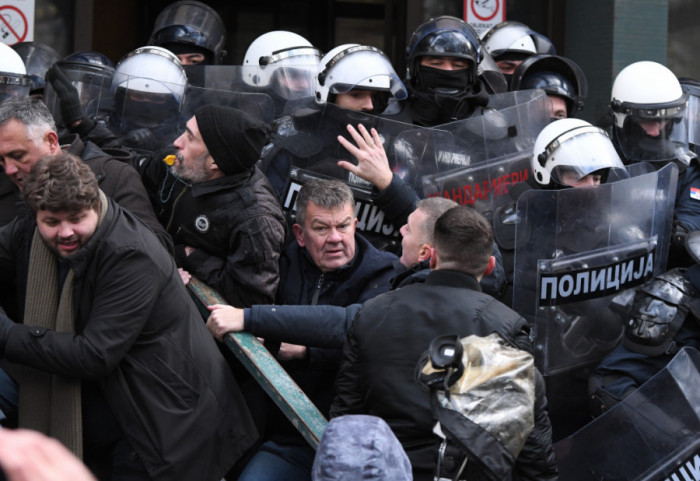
(226, 223)
(391, 332)
(329, 264)
(124, 373)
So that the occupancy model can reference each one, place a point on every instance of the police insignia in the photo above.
(201, 223)
(695, 193)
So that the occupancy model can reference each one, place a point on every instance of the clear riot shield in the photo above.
(144, 113)
(652, 435)
(286, 86)
(476, 161)
(93, 85)
(223, 85)
(575, 249)
(309, 149)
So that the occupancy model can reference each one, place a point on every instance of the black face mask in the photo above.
(443, 96)
(637, 146)
(436, 79)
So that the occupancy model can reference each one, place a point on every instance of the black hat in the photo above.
(233, 138)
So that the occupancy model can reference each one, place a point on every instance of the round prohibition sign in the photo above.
(13, 24)
(485, 10)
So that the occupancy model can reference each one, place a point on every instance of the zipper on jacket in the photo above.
(317, 292)
(174, 207)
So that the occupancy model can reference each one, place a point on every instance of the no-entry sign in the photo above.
(484, 14)
(16, 21)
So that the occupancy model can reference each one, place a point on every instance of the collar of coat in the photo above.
(79, 261)
(452, 278)
(226, 182)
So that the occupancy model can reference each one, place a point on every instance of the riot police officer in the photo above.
(350, 79)
(449, 72)
(14, 81)
(77, 87)
(191, 30)
(663, 315)
(649, 107)
(38, 58)
(561, 78)
(283, 63)
(509, 43)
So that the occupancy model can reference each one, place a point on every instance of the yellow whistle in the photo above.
(169, 159)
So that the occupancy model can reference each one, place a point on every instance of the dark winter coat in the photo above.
(301, 282)
(385, 343)
(141, 340)
(237, 229)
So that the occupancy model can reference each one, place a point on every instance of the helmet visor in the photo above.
(692, 115)
(586, 151)
(189, 23)
(12, 85)
(362, 69)
(654, 133)
(292, 82)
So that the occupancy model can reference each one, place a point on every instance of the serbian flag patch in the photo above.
(695, 193)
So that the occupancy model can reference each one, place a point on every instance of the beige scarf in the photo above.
(50, 403)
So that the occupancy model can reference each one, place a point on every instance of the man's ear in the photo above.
(213, 165)
(52, 138)
(298, 233)
(433, 259)
(425, 252)
(490, 266)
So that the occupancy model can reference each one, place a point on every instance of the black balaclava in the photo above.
(442, 96)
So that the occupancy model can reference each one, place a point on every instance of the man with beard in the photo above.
(226, 223)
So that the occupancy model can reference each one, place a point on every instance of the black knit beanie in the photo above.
(233, 138)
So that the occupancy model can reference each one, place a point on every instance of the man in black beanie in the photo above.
(227, 227)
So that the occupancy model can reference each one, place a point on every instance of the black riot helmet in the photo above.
(443, 36)
(90, 72)
(37, 58)
(555, 75)
(189, 26)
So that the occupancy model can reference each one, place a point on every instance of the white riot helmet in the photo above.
(148, 87)
(153, 70)
(353, 66)
(14, 81)
(649, 105)
(278, 56)
(646, 90)
(567, 150)
(515, 38)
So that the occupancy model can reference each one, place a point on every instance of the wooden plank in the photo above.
(268, 372)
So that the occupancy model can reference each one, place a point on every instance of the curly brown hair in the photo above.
(60, 183)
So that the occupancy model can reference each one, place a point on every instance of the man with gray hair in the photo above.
(329, 264)
(326, 325)
(28, 133)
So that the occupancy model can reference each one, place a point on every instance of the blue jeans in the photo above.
(280, 462)
(8, 395)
